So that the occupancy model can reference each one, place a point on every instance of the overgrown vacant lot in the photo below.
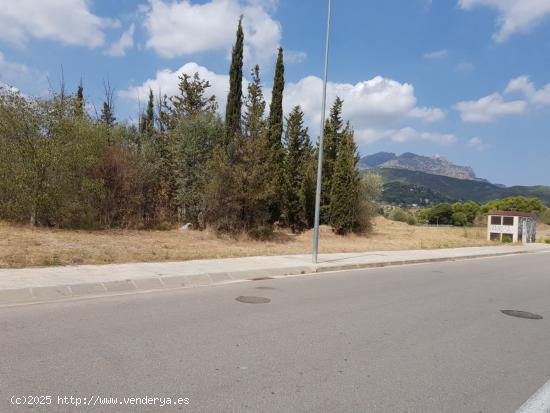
(22, 246)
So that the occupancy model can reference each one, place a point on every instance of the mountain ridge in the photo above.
(435, 165)
(414, 185)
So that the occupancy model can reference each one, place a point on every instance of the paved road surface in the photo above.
(424, 338)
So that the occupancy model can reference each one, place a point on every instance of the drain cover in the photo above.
(521, 314)
(253, 300)
(262, 278)
(263, 287)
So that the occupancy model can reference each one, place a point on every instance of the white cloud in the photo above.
(523, 85)
(180, 28)
(489, 108)
(403, 135)
(492, 107)
(515, 16)
(427, 114)
(24, 78)
(477, 143)
(166, 81)
(68, 21)
(438, 54)
(126, 41)
(292, 56)
(374, 102)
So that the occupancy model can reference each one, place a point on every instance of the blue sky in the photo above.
(465, 79)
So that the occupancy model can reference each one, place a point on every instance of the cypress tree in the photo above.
(331, 145)
(297, 141)
(344, 196)
(275, 132)
(276, 106)
(149, 120)
(253, 118)
(234, 98)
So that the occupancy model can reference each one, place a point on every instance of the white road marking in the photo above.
(539, 402)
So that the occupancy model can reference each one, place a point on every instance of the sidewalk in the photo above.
(55, 283)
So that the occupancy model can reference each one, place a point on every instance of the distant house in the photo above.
(512, 226)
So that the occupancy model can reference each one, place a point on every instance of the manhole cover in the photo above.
(521, 314)
(253, 300)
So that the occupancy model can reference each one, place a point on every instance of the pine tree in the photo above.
(192, 100)
(253, 118)
(331, 145)
(234, 98)
(344, 196)
(297, 141)
(79, 101)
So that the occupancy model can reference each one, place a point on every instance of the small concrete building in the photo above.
(512, 226)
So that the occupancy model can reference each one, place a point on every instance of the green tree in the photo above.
(253, 117)
(309, 182)
(345, 191)
(275, 127)
(370, 191)
(192, 99)
(514, 203)
(275, 122)
(332, 141)
(441, 214)
(469, 210)
(191, 145)
(294, 191)
(234, 98)
(148, 118)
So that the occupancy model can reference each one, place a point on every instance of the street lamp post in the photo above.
(321, 139)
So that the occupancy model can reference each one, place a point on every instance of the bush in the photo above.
(400, 215)
(460, 219)
(441, 214)
(547, 240)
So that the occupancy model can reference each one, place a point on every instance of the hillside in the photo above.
(451, 189)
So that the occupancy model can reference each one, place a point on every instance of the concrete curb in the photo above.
(10, 297)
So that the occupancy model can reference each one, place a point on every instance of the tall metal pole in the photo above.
(321, 139)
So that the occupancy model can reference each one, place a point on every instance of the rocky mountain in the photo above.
(435, 165)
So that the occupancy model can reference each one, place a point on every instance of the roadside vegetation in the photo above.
(25, 246)
(468, 214)
(63, 167)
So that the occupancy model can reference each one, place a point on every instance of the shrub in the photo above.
(400, 215)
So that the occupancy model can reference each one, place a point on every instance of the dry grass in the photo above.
(21, 246)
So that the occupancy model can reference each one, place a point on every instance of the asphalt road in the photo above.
(423, 338)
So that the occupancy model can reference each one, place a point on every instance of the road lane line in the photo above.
(539, 402)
